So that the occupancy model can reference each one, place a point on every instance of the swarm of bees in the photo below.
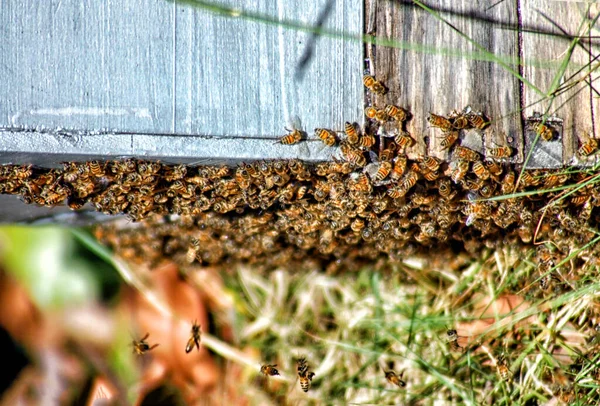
(304, 375)
(371, 205)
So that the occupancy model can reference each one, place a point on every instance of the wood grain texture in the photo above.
(434, 82)
(159, 67)
(444, 76)
(553, 27)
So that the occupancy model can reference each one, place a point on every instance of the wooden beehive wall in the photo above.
(499, 57)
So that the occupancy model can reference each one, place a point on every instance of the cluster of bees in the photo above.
(141, 346)
(374, 203)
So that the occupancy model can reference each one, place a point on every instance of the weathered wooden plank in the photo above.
(50, 148)
(547, 36)
(159, 67)
(87, 65)
(240, 79)
(432, 82)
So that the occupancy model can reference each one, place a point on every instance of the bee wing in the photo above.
(294, 123)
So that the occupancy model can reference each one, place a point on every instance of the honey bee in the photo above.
(294, 137)
(269, 370)
(398, 168)
(410, 179)
(494, 168)
(351, 133)
(432, 164)
(500, 152)
(23, 172)
(357, 225)
(141, 347)
(480, 170)
(194, 340)
(327, 136)
(381, 116)
(388, 153)
(503, 370)
(304, 375)
(588, 147)
(460, 122)
(95, 169)
(193, 249)
(527, 179)
(366, 141)
(395, 379)
(403, 139)
(383, 171)
(477, 121)
(545, 132)
(452, 337)
(466, 154)
(360, 182)
(450, 138)
(508, 182)
(397, 113)
(555, 180)
(353, 155)
(374, 85)
(462, 167)
(439, 122)
(371, 112)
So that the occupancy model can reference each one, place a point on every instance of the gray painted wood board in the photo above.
(159, 67)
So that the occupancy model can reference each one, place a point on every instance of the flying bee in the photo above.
(480, 170)
(327, 136)
(304, 375)
(397, 113)
(140, 347)
(351, 133)
(450, 138)
(466, 154)
(374, 85)
(194, 340)
(439, 122)
(477, 121)
(500, 152)
(503, 370)
(588, 147)
(545, 132)
(452, 337)
(395, 379)
(269, 370)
